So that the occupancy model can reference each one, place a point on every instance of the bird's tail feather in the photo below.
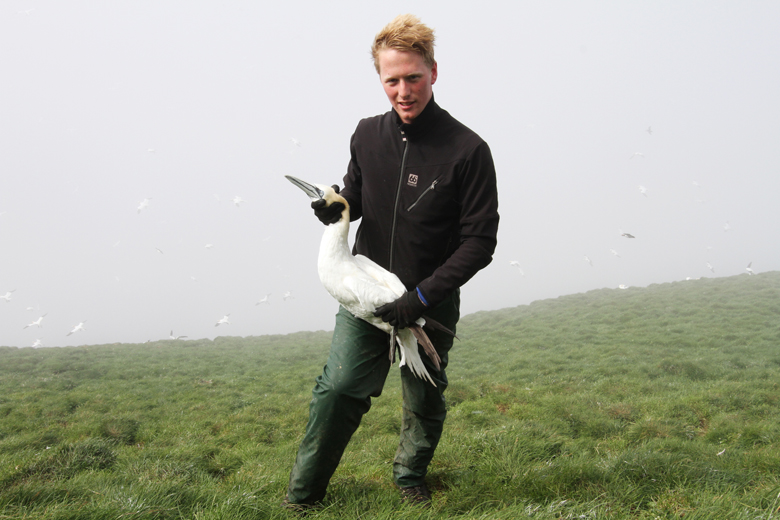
(435, 325)
(427, 346)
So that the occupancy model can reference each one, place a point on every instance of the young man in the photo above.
(424, 187)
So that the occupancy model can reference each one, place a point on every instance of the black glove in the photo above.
(402, 312)
(328, 214)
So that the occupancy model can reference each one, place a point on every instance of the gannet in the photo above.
(517, 264)
(360, 285)
(238, 200)
(643, 190)
(177, 337)
(614, 253)
(7, 296)
(627, 235)
(36, 322)
(288, 296)
(264, 300)
(587, 259)
(709, 266)
(37, 343)
(77, 328)
(144, 204)
(223, 321)
(749, 269)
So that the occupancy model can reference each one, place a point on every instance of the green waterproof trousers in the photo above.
(356, 370)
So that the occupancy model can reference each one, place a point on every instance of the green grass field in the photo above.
(657, 402)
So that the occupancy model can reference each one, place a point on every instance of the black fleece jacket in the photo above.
(426, 193)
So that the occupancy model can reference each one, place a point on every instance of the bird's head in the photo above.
(318, 191)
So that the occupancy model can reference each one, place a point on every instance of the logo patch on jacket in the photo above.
(412, 180)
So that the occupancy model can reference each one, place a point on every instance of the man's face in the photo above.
(407, 81)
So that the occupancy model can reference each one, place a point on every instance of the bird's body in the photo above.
(144, 204)
(176, 337)
(517, 264)
(749, 269)
(361, 286)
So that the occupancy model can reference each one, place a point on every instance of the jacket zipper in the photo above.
(423, 194)
(397, 199)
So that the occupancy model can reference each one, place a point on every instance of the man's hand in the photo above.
(402, 312)
(328, 214)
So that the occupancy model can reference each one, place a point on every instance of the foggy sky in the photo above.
(190, 104)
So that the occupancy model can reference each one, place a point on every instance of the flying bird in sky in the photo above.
(614, 253)
(587, 259)
(627, 235)
(36, 322)
(237, 201)
(361, 285)
(517, 264)
(709, 266)
(7, 296)
(749, 269)
(264, 300)
(638, 154)
(77, 328)
(643, 190)
(287, 296)
(37, 343)
(176, 337)
(223, 321)
(144, 204)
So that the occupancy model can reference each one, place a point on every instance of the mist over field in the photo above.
(143, 148)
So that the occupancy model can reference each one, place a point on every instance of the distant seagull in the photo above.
(750, 269)
(176, 337)
(238, 200)
(649, 130)
(615, 253)
(264, 300)
(77, 328)
(295, 141)
(517, 264)
(627, 235)
(287, 295)
(209, 246)
(622, 286)
(159, 250)
(223, 321)
(643, 190)
(709, 266)
(587, 259)
(144, 204)
(7, 296)
(36, 322)
(37, 343)
(638, 154)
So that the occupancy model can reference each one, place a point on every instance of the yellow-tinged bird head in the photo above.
(319, 192)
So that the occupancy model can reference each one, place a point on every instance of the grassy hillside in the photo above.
(657, 402)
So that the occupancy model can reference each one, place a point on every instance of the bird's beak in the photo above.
(311, 190)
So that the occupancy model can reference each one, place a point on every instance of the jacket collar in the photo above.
(421, 123)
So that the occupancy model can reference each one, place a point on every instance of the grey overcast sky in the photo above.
(192, 103)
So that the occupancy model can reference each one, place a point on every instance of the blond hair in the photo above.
(405, 33)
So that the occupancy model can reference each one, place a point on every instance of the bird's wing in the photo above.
(361, 295)
(381, 275)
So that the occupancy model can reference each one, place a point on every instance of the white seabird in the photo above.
(614, 253)
(587, 259)
(749, 269)
(643, 190)
(36, 322)
(7, 296)
(223, 321)
(264, 300)
(517, 264)
(361, 285)
(176, 337)
(237, 201)
(144, 204)
(77, 328)
(709, 266)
